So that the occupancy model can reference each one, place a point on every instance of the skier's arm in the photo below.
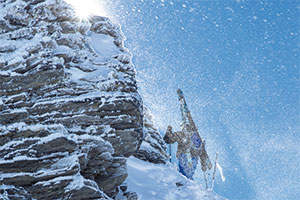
(170, 137)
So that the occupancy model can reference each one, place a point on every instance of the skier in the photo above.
(190, 145)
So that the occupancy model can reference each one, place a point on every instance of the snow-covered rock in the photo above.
(70, 113)
(153, 147)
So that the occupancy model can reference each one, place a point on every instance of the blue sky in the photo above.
(237, 63)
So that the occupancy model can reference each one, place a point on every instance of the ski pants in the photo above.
(187, 168)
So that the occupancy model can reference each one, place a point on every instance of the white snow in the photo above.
(77, 183)
(36, 127)
(103, 45)
(61, 49)
(99, 74)
(158, 181)
(108, 96)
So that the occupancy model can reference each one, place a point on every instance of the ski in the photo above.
(197, 144)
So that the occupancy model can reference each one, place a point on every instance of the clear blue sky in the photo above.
(237, 63)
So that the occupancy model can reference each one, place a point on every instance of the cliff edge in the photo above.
(69, 106)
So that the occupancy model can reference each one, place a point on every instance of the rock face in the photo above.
(153, 148)
(70, 113)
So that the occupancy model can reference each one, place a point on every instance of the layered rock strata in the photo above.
(70, 112)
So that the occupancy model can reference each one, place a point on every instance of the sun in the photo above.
(86, 8)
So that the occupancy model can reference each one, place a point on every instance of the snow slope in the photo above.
(158, 181)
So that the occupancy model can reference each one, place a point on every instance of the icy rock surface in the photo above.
(69, 109)
(153, 148)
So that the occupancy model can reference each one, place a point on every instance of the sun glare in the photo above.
(85, 8)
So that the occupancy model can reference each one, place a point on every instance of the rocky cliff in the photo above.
(70, 112)
(153, 148)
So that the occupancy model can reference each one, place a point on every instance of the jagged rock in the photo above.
(131, 196)
(9, 192)
(123, 187)
(70, 112)
(126, 195)
(153, 148)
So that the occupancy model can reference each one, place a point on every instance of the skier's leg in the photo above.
(184, 167)
(182, 164)
(194, 167)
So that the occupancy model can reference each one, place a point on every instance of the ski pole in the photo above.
(204, 174)
(214, 173)
(170, 152)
